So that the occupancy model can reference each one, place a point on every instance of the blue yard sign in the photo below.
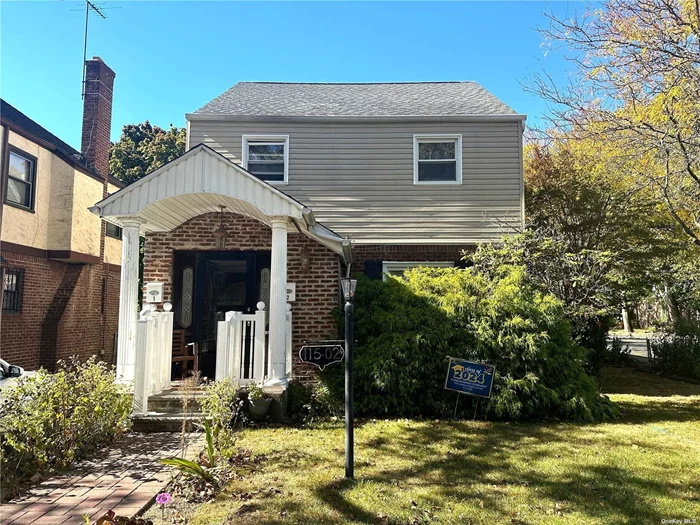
(475, 379)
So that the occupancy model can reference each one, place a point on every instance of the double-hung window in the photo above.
(437, 159)
(267, 157)
(21, 177)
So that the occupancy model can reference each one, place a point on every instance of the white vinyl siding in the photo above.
(358, 177)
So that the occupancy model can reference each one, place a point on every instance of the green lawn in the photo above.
(641, 469)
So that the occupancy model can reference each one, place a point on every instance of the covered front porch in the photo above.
(216, 257)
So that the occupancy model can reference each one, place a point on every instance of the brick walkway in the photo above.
(124, 477)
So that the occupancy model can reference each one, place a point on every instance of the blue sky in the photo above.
(172, 57)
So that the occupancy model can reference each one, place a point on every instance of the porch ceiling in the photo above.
(199, 182)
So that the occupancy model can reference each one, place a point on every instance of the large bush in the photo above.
(405, 329)
(51, 420)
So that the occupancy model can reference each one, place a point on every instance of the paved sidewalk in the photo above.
(123, 477)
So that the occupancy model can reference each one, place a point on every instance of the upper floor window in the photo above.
(437, 159)
(267, 156)
(113, 231)
(21, 176)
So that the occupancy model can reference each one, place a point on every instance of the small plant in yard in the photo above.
(259, 401)
(312, 402)
(162, 500)
(223, 408)
(189, 388)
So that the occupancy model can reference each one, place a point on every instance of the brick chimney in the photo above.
(97, 114)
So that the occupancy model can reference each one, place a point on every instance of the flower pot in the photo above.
(259, 408)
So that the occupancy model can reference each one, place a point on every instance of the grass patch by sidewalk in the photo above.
(640, 469)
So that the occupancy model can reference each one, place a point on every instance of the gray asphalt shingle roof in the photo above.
(426, 99)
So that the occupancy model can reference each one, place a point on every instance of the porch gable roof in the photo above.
(200, 181)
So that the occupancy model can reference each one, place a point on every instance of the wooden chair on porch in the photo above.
(183, 355)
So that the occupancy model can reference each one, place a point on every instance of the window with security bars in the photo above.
(13, 279)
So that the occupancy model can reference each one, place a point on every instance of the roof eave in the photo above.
(513, 117)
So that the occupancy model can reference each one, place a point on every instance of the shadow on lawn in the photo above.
(481, 468)
(481, 457)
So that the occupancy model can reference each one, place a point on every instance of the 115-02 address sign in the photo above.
(322, 354)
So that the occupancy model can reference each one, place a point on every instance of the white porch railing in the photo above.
(154, 347)
(242, 351)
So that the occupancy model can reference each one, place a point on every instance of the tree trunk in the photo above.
(626, 325)
(672, 305)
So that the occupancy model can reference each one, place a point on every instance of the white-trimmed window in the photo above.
(397, 268)
(437, 159)
(267, 157)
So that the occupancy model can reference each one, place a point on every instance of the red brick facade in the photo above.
(317, 289)
(97, 114)
(406, 253)
(67, 309)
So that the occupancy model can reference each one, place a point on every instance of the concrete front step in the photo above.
(167, 422)
(171, 401)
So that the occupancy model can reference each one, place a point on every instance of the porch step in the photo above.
(171, 401)
(166, 422)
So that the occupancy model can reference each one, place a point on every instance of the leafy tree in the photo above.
(637, 91)
(143, 148)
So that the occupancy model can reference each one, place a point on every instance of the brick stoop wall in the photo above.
(317, 290)
(67, 309)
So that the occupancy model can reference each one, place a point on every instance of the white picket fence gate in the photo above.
(154, 351)
(242, 350)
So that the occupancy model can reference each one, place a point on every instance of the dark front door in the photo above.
(222, 282)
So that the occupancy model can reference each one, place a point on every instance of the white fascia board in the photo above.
(347, 118)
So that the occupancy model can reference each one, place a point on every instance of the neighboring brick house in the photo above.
(60, 263)
(299, 183)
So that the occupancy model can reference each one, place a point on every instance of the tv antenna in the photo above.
(98, 10)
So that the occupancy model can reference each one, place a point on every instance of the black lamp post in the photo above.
(349, 293)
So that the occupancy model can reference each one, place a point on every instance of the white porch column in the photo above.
(278, 302)
(128, 301)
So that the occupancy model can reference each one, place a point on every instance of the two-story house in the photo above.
(285, 187)
(60, 263)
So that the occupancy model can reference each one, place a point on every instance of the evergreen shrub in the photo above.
(405, 329)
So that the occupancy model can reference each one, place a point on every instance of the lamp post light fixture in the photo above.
(349, 286)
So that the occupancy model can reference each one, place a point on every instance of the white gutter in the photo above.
(510, 117)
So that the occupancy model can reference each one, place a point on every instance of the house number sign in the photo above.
(322, 354)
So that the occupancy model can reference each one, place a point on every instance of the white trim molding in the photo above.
(267, 140)
(456, 138)
(402, 266)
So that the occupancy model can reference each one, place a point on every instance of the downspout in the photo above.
(521, 128)
(310, 221)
